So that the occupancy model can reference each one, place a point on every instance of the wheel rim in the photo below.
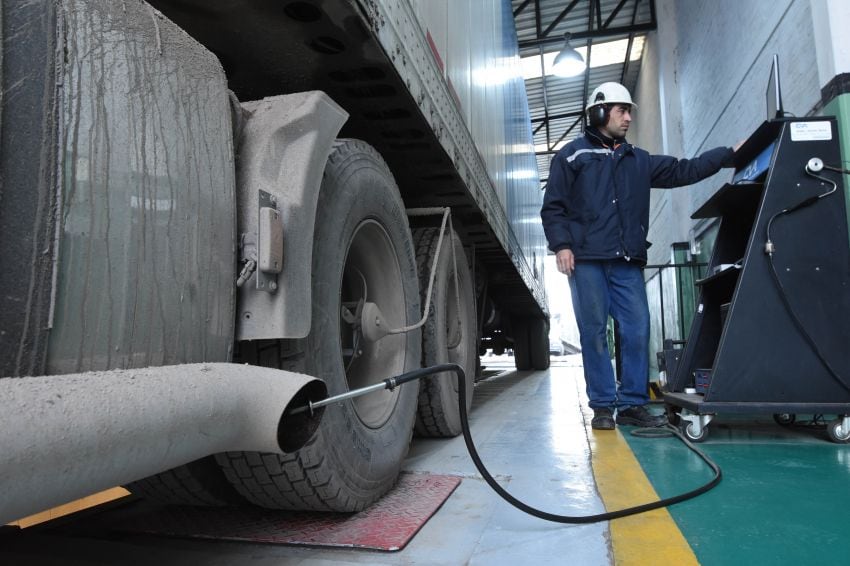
(691, 433)
(372, 273)
(839, 433)
(785, 418)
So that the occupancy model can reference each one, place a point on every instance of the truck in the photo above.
(199, 191)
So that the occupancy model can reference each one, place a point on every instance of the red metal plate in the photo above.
(389, 524)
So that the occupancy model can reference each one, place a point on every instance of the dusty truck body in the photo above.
(262, 183)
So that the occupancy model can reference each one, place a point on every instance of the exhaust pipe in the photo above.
(64, 437)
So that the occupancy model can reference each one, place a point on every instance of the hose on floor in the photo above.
(473, 452)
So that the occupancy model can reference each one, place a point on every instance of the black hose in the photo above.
(470, 446)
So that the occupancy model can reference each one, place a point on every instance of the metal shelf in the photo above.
(740, 198)
(729, 272)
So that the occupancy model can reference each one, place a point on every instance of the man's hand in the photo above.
(566, 261)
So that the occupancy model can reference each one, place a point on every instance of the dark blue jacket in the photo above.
(597, 198)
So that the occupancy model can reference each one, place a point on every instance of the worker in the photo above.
(595, 215)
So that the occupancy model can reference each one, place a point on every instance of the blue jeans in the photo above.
(615, 287)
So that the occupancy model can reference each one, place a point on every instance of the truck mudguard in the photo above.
(284, 144)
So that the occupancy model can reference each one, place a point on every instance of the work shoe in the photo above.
(603, 419)
(639, 416)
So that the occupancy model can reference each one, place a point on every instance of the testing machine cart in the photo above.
(772, 327)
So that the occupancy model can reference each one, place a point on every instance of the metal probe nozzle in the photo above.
(389, 383)
(341, 397)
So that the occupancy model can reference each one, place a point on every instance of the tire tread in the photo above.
(431, 417)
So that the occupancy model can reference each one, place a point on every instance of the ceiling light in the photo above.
(569, 62)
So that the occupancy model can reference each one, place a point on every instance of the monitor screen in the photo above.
(774, 93)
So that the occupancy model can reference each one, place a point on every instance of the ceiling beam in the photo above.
(629, 47)
(586, 87)
(521, 7)
(593, 34)
(538, 26)
(617, 11)
(558, 19)
(572, 114)
(567, 131)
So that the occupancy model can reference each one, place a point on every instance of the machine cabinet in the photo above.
(771, 329)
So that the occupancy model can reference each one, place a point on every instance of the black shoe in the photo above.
(639, 416)
(603, 419)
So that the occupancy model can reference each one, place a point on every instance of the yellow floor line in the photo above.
(648, 538)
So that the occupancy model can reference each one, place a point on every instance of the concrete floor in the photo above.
(783, 499)
(530, 431)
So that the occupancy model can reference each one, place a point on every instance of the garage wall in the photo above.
(702, 85)
(714, 59)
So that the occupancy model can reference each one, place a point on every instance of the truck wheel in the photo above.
(197, 483)
(362, 251)
(522, 350)
(538, 343)
(449, 335)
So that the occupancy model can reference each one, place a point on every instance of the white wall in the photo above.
(830, 19)
(658, 128)
(709, 64)
(702, 85)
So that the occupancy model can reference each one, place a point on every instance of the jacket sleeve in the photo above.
(666, 171)
(554, 212)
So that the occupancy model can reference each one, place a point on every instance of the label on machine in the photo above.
(811, 131)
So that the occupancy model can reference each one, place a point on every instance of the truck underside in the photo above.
(271, 48)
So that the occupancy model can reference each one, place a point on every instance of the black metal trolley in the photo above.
(772, 328)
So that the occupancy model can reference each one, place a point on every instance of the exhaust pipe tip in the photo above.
(296, 429)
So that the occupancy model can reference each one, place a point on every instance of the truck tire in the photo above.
(197, 483)
(449, 335)
(362, 249)
(538, 341)
(522, 352)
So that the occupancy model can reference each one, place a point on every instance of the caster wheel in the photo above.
(784, 419)
(690, 434)
(838, 433)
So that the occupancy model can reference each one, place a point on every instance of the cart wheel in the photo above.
(688, 431)
(838, 433)
(784, 419)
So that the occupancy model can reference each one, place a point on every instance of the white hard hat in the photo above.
(610, 93)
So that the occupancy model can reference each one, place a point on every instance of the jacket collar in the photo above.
(596, 137)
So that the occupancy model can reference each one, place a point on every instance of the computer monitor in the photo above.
(774, 93)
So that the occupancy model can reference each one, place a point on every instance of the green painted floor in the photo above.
(784, 497)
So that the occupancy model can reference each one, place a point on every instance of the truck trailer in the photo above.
(200, 196)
